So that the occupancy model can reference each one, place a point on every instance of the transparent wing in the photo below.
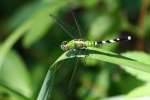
(62, 25)
(77, 25)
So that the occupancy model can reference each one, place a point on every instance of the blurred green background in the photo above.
(30, 42)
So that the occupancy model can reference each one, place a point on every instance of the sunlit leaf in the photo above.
(42, 23)
(141, 91)
(94, 53)
(123, 97)
(12, 39)
(101, 26)
(24, 27)
(140, 57)
(15, 77)
(6, 94)
(23, 14)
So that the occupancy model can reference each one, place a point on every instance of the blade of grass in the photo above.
(141, 57)
(16, 80)
(94, 53)
(17, 34)
(26, 26)
(47, 86)
(11, 40)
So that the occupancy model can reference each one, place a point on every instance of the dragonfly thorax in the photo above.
(73, 44)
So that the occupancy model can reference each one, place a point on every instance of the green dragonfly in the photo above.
(81, 43)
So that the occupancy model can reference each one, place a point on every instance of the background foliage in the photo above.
(30, 42)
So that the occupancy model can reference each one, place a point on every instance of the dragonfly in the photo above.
(81, 44)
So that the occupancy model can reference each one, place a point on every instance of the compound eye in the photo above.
(64, 45)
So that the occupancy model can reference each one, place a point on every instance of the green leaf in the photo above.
(15, 77)
(111, 5)
(140, 91)
(123, 97)
(119, 97)
(141, 57)
(97, 85)
(127, 83)
(23, 14)
(27, 11)
(93, 53)
(114, 58)
(42, 23)
(38, 72)
(6, 94)
(24, 27)
(14, 36)
(101, 26)
(12, 39)
(38, 30)
(47, 86)
(89, 3)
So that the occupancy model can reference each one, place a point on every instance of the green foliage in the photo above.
(41, 23)
(30, 41)
(140, 91)
(141, 57)
(101, 26)
(96, 54)
(100, 88)
(15, 77)
(39, 20)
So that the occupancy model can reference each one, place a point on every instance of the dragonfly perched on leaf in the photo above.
(79, 44)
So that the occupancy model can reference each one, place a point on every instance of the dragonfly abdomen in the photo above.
(99, 43)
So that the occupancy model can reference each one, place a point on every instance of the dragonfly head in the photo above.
(64, 46)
